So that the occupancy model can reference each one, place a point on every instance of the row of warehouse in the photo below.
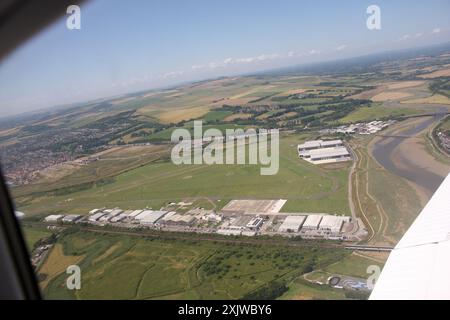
(142, 217)
(327, 223)
(153, 217)
(70, 218)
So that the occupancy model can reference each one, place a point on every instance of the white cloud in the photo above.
(197, 67)
(313, 51)
(172, 74)
(245, 60)
(231, 61)
(436, 30)
(341, 47)
(405, 37)
(228, 61)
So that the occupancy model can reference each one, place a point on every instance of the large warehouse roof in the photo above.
(153, 216)
(319, 144)
(292, 223)
(143, 214)
(96, 216)
(312, 221)
(328, 152)
(332, 223)
(134, 213)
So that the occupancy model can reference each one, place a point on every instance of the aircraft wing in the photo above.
(419, 265)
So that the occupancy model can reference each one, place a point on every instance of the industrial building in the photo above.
(53, 218)
(152, 217)
(71, 218)
(319, 151)
(143, 214)
(333, 223)
(319, 144)
(134, 213)
(173, 218)
(167, 216)
(292, 224)
(115, 212)
(120, 217)
(240, 223)
(312, 222)
(241, 207)
(212, 217)
(255, 223)
(96, 216)
(110, 214)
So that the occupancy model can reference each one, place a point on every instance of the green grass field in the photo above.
(300, 289)
(214, 115)
(34, 234)
(353, 265)
(131, 267)
(304, 185)
(376, 112)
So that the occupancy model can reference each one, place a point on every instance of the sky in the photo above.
(126, 46)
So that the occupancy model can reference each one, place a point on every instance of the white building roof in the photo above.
(325, 144)
(71, 217)
(292, 223)
(168, 216)
(333, 223)
(310, 144)
(115, 212)
(418, 267)
(143, 214)
(134, 213)
(119, 217)
(153, 216)
(312, 221)
(328, 152)
(319, 144)
(96, 216)
(254, 223)
(53, 217)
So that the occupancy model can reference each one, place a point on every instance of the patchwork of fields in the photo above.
(127, 267)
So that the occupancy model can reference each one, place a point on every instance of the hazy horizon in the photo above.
(122, 49)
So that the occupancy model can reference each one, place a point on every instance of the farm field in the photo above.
(436, 74)
(376, 112)
(33, 235)
(354, 265)
(433, 99)
(300, 289)
(130, 267)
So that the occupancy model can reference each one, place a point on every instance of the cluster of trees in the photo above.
(441, 86)
(270, 291)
